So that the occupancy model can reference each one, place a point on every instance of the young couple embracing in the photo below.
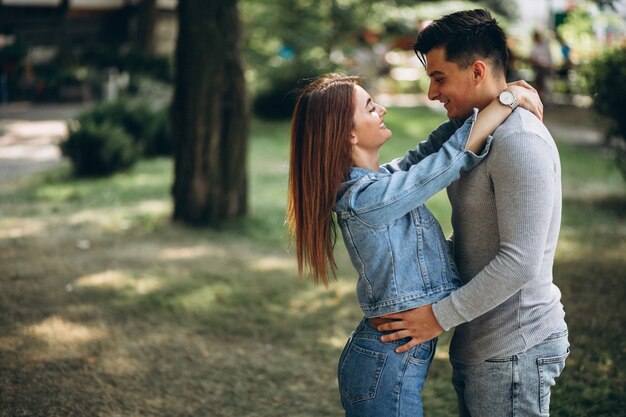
(491, 281)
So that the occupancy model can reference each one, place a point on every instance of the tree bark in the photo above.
(209, 115)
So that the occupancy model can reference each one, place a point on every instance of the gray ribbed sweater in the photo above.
(506, 216)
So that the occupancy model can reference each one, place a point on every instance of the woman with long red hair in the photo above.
(394, 242)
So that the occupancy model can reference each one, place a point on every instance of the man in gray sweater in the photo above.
(510, 341)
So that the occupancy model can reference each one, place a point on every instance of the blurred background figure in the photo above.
(368, 60)
(541, 61)
(563, 71)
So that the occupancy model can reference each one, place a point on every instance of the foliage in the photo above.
(99, 149)
(606, 77)
(159, 141)
(282, 49)
(111, 136)
(580, 29)
(148, 128)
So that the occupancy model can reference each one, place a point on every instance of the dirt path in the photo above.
(29, 137)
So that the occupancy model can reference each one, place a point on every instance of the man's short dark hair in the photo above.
(466, 36)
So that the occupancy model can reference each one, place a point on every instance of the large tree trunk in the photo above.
(209, 115)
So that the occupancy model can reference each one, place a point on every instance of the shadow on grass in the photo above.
(171, 322)
(589, 270)
(612, 204)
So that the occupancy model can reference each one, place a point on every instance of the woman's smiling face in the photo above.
(369, 129)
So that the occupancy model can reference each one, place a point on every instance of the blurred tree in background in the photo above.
(209, 116)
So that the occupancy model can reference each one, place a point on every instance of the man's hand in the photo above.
(419, 324)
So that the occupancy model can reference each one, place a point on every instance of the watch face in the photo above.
(506, 97)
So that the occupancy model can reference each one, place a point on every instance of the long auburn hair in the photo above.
(320, 159)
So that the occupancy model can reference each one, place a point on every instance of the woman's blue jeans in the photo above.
(515, 386)
(375, 381)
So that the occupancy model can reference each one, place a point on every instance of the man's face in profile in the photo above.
(453, 86)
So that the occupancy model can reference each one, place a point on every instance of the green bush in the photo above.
(606, 79)
(99, 149)
(147, 127)
(136, 120)
(159, 141)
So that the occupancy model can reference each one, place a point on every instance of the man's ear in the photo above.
(479, 70)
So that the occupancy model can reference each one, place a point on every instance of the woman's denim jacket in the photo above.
(394, 242)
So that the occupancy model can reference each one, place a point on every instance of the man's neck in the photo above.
(490, 92)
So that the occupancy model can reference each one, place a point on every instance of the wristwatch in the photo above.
(507, 97)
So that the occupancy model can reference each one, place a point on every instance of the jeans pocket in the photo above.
(424, 352)
(359, 373)
(549, 370)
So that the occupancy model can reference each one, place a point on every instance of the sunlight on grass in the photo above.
(272, 263)
(317, 298)
(442, 354)
(192, 252)
(203, 299)
(146, 215)
(62, 337)
(13, 228)
(588, 173)
(120, 280)
(117, 365)
(572, 244)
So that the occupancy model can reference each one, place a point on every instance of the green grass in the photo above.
(108, 308)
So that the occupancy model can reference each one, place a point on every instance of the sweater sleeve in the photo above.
(524, 175)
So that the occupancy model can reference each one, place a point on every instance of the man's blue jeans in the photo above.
(515, 386)
(375, 381)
